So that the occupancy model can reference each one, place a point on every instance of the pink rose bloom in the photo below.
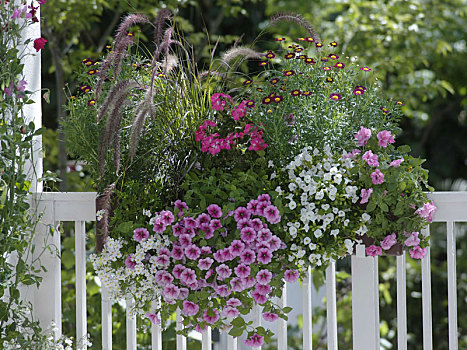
(140, 234)
(270, 317)
(264, 256)
(153, 318)
(129, 262)
(291, 276)
(427, 211)
(365, 194)
(39, 44)
(413, 240)
(362, 136)
(373, 250)
(211, 316)
(264, 276)
(388, 241)
(377, 177)
(384, 138)
(272, 215)
(396, 163)
(417, 252)
(255, 341)
(214, 210)
(230, 311)
(189, 308)
(371, 158)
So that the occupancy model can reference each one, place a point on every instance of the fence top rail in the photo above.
(66, 206)
(452, 206)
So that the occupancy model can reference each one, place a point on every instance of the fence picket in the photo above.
(282, 324)
(130, 326)
(80, 266)
(401, 304)
(106, 319)
(156, 330)
(206, 341)
(452, 286)
(181, 340)
(426, 298)
(307, 309)
(331, 306)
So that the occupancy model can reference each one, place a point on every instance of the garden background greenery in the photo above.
(416, 47)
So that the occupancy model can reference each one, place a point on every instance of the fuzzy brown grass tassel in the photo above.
(119, 90)
(242, 51)
(162, 15)
(293, 17)
(108, 192)
(127, 23)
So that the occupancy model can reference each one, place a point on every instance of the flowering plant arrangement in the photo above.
(218, 189)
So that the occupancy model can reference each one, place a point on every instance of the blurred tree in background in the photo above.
(416, 47)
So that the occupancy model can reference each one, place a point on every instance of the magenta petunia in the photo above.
(384, 138)
(264, 276)
(241, 213)
(185, 240)
(188, 276)
(192, 252)
(190, 223)
(167, 217)
(234, 302)
(291, 276)
(171, 291)
(396, 163)
(163, 261)
(237, 284)
(140, 234)
(274, 243)
(412, 240)
(223, 291)
(417, 252)
(365, 194)
(177, 270)
(153, 318)
(362, 136)
(270, 317)
(248, 256)
(159, 226)
(272, 215)
(215, 224)
(256, 224)
(371, 158)
(214, 210)
(259, 298)
(427, 211)
(248, 234)
(248, 282)
(255, 341)
(264, 256)
(264, 235)
(230, 311)
(184, 292)
(129, 262)
(242, 270)
(377, 177)
(190, 308)
(373, 250)
(223, 271)
(236, 248)
(205, 264)
(264, 289)
(177, 253)
(211, 316)
(389, 241)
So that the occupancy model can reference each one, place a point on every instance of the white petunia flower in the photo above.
(306, 240)
(334, 232)
(292, 205)
(318, 233)
(366, 217)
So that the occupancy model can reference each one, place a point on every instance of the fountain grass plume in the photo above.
(293, 17)
(162, 16)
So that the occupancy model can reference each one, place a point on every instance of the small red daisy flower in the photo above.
(263, 63)
(359, 87)
(278, 98)
(333, 44)
(270, 55)
(327, 68)
(274, 81)
(365, 69)
(358, 92)
(289, 73)
(295, 92)
(310, 39)
(247, 82)
(279, 39)
(289, 56)
(267, 100)
(333, 56)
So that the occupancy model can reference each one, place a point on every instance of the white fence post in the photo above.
(365, 301)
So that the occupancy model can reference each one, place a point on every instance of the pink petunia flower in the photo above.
(272, 215)
(256, 224)
(211, 316)
(396, 163)
(417, 252)
(153, 318)
(384, 138)
(188, 276)
(242, 270)
(270, 317)
(163, 260)
(230, 311)
(237, 284)
(241, 213)
(184, 292)
(352, 154)
(264, 256)
(362, 136)
(248, 256)
(167, 217)
(223, 271)
(371, 158)
(192, 252)
(254, 341)
(177, 253)
(234, 302)
(389, 241)
(236, 248)
(171, 291)
(140, 234)
(427, 211)
(365, 194)
(223, 291)
(205, 264)
(274, 243)
(177, 270)
(248, 282)
(214, 210)
(159, 226)
(248, 234)
(190, 308)
(184, 240)
(291, 276)
(377, 177)
(252, 206)
(264, 276)
(129, 262)
(264, 289)
(259, 298)
(412, 240)
(264, 235)
(373, 250)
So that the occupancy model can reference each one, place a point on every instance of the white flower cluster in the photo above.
(321, 195)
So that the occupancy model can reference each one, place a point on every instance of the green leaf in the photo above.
(236, 332)
(286, 309)
(238, 322)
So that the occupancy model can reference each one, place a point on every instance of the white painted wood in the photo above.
(70, 206)
(231, 343)
(257, 311)
(307, 312)
(181, 340)
(130, 326)
(331, 306)
(452, 286)
(282, 324)
(206, 341)
(451, 206)
(426, 298)
(365, 300)
(106, 319)
(401, 303)
(80, 267)
(156, 331)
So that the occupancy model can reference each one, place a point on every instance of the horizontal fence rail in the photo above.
(80, 208)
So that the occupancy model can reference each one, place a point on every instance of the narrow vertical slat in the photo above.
(452, 286)
(130, 326)
(281, 323)
(80, 266)
(257, 319)
(331, 306)
(156, 331)
(181, 340)
(426, 298)
(401, 304)
(106, 319)
(365, 300)
(206, 341)
(307, 309)
(231, 343)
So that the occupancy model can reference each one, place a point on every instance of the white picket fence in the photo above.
(80, 207)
